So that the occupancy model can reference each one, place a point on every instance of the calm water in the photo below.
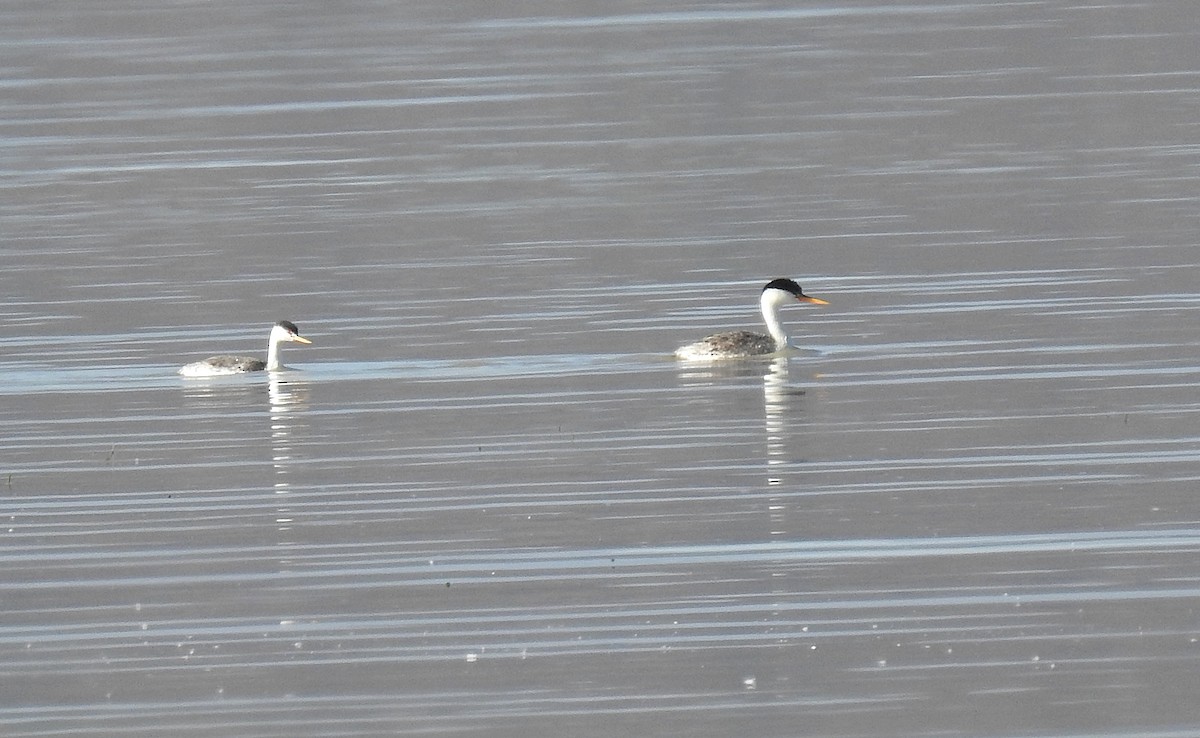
(487, 499)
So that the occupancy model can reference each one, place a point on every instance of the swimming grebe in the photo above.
(741, 344)
(215, 366)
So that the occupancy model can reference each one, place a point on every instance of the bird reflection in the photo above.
(220, 396)
(783, 410)
(703, 373)
(775, 398)
(287, 397)
(782, 403)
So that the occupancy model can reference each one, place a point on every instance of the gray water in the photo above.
(487, 499)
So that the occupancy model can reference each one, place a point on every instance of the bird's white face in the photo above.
(279, 334)
(778, 298)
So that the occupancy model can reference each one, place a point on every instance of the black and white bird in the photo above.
(215, 366)
(742, 344)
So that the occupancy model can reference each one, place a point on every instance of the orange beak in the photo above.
(813, 300)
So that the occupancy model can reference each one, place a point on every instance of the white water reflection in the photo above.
(780, 400)
(288, 395)
(782, 408)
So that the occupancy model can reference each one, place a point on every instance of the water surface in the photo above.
(487, 499)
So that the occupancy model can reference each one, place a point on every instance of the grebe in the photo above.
(215, 366)
(741, 344)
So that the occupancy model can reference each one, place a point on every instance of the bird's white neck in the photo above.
(770, 302)
(273, 364)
